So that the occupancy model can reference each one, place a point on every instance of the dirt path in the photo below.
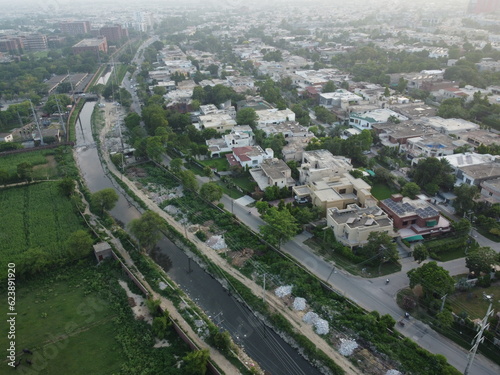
(292, 316)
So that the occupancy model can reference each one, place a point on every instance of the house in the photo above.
(339, 99)
(249, 156)
(353, 224)
(432, 145)
(393, 135)
(102, 250)
(414, 218)
(294, 148)
(6, 137)
(490, 190)
(273, 172)
(366, 120)
(449, 125)
(274, 116)
(336, 191)
(241, 135)
(287, 128)
(476, 174)
(480, 137)
(318, 164)
(218, 121)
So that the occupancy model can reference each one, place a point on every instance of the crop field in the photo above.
(77, 320)
(35, 216)
(9, 163)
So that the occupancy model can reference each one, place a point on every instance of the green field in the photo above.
(36, 217)
(382, 191)
(76, 320)
(37, 159)
(220, 163)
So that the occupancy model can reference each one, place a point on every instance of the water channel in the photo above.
(261, 344)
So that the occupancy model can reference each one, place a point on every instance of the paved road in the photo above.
(373, 294)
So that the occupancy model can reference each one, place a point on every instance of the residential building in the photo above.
(319, 164)
(249, 156)
(366, 120)
(274, 116)
(414, 218)
(480, 137)
(476, 174)
(490, 190)
(336, 191)
(241, 135)
(75, 27)
(432, 145)
(458, 161)
(91, 45)
(342, 99)
(36, 42)
(295, 147)
(353, 224)
(218, 121)
(113, 34)
(448, 126)
(273, 172)
(393, 135)
(11, 44)
(287, 128)
(483, 6)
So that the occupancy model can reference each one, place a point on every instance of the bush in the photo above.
(484, 281)
(201, 235)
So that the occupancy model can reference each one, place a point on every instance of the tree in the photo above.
(461, 227)
(481, 260)
(25, 171)
(432, 173)
(161, 326)
(188, 179)
(411, 190)
(147, 229)
(176, 165)
(195, 363)
(52, 103)
(155, 148)
(79, 244)
(66, 186)
(246, 116)
(222, 340)
(435, 280)
(4, 177)
(464, 202)
(380, 247)
(402, 84)
(105, 199)
(281, 226)
(420, 253)
(324, 115)
(211, 191)
(329, 87)
(445, 318)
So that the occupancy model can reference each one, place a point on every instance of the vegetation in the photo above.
(147, 229)
(432, 174)
(104, 199)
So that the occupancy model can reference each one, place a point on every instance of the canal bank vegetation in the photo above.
(376, 333)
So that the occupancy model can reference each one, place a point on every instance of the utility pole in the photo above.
(479, 337)
(264, 290)
(443, 298)
(331, 272)
(37, 124)
(61, 121)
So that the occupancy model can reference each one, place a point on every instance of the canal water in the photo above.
(262, 344)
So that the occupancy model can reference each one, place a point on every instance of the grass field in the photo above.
(473, 303)
(77, 321)
(41, 160)
(220, 163)
(382, 191)
(38, 218)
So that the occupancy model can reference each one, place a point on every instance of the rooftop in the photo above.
(411, 207)
(90, 42)
(480, 171)
(355, 216)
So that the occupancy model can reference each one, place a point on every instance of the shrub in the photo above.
(201, 235)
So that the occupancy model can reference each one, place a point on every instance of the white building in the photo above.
(366, 120)
(339, 99)
(273, 172)
(319, 164)
(274, 116)
(449, 125)
(240, 136)
(218, 121)
(249, 156)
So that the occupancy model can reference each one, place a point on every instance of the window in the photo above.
(342, 191)
(354, 191)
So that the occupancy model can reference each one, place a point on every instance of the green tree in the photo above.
(380, 247)
(432, 172)
(247, 116)
(222, 340)
(188, 179)
(411, 190)
(105, 199)
(481, 260)
(461, 227)
(51, 105)
(25, 171)
(195, 363)
(66, 186)
(420, 253)
(176, 165)
(329, 87)
(445, 318)
(161, 326)
(464, 202)
(433, 279)
(79, 244)
(211, 191)
(147, 229)
(324, 115)
(155, 148)
(4, 177)
(281, 226)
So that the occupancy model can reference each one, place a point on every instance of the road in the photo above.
(374, 294)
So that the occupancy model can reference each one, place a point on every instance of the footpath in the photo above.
(292, 316)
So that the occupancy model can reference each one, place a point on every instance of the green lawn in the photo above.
(473, 302)
(382, 191)
(69, 330)
(221, 164)
(245, 182)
